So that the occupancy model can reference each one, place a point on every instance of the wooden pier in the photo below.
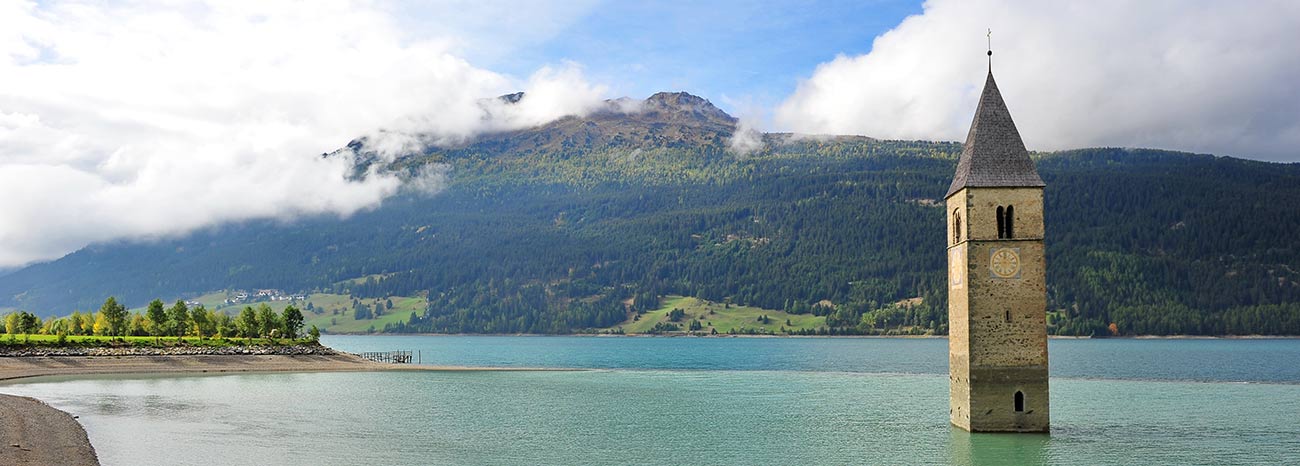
(392, 357)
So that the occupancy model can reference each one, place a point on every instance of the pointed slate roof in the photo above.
(994, 155)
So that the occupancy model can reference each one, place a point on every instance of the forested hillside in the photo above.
(575, 224)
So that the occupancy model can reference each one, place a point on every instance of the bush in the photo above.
(676, 315)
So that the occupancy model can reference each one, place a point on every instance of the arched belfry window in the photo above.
(1011, 221)
(1006, 222)
(1020, 402)
(1001, 223)
(956, 226)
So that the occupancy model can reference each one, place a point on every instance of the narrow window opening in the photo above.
(1008, 317)
(956, 226)
(1020, 402)
(1011, 221)
(1000, 224)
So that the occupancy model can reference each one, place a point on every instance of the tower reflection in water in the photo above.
(982, 449)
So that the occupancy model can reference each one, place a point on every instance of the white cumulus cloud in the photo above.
(143, 119)
(1200, 75)
(549, 93)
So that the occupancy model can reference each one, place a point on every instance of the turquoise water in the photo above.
(1210, 360)
(699, 401)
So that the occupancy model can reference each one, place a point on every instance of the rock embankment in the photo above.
(285, 350)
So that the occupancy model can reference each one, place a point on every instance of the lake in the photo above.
(698, 401)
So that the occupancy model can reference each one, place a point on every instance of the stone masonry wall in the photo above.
(997, 326)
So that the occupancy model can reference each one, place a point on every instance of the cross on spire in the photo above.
(990, 38)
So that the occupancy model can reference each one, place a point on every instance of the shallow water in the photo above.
(713, 401)
(1211, 360)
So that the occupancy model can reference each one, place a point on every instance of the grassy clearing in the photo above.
(12, 340)
(363, 278)
(210, 301)
(725, 319)
(331, 313)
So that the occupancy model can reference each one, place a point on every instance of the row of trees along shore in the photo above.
(159, 320)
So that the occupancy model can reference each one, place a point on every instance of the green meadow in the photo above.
(332, 313)
(725, 318)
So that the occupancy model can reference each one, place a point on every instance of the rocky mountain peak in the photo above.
(513, 98)
(686, 104)
(663, 120)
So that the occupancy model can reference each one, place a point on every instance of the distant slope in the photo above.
(718, 318)
(553, 229)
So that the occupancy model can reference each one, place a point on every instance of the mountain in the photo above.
(666, 120)
(577, 223)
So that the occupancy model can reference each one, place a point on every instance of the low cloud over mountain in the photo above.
(138, 120)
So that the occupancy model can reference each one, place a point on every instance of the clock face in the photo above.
(1005, 262)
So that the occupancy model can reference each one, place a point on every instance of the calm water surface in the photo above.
(699, 401)
(1209, 360)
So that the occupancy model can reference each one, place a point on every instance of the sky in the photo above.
(145, 119)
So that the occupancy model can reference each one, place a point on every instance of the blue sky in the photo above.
(734, 52)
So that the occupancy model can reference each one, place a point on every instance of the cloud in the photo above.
(746, 139)
(1203, 76)
(752, 119)
(550, 93)
(429, 180)
(147, 119)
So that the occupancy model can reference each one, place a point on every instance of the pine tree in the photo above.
(115, 316)
(157, 318)
(178, 318)
(292, 321)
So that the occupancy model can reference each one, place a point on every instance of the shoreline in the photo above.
(36, 433)
(24, 367)
(21, 367)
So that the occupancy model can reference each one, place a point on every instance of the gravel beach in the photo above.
(33, 433)
(35, 366)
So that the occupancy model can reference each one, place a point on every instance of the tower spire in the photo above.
(994, 155)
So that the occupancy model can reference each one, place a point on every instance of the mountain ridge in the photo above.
(553, 229)
(662, 120)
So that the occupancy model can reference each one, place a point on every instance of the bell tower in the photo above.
(997, 295)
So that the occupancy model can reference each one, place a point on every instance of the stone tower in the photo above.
(997, 295)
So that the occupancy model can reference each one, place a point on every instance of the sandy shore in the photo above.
(13, 368)
(34, 433)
